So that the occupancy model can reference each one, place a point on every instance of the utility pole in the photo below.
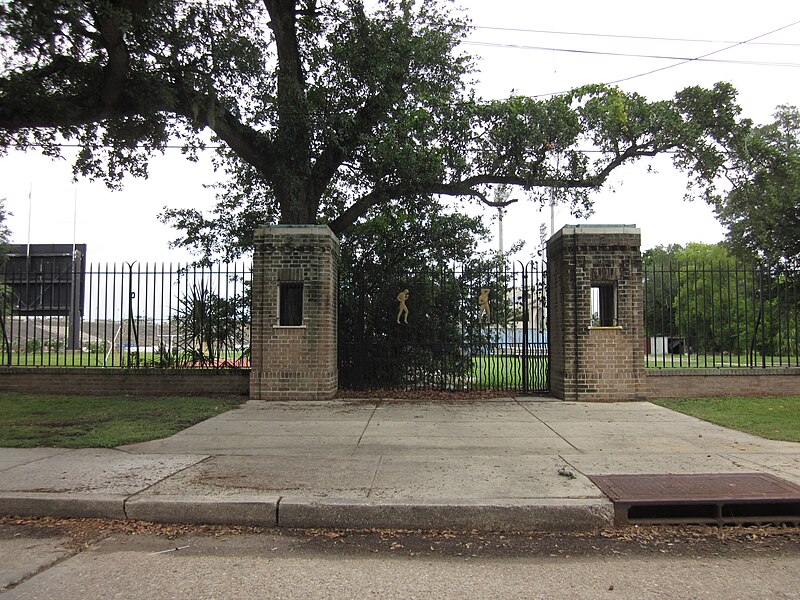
(500, 233)
(501, 200)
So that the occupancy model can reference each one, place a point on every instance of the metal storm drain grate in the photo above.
(718, 498)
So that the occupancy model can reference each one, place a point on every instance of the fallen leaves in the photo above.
(634, 540)
(85, 531)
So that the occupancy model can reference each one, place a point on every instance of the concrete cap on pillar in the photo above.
(596, 229)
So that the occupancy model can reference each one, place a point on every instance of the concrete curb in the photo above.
(252, 511)
(304, 513)
(73, 505)
(485, 515)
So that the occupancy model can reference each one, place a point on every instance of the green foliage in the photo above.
(400, 248)
(762, 210)
(410, 237)
(98, 347)
(718, 304)
(28, 421)
(208, 328)
(432, 254)
(437, 346)
(33, 345)
(321, 111)
(5, 233)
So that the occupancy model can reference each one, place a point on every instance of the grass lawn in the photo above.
(505, 372)
(28, 421)
(771, 418)
(715, 361)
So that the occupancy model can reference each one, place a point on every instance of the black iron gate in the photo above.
(456, 328)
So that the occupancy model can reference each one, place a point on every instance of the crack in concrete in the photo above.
(155, 483)
(69, 554)
(573, 467)
(523, 407)
(66, 451)
(361, 437)
(374, 475)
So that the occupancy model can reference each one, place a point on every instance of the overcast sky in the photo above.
(527, 47)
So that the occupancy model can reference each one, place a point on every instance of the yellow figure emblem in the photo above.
(402, 310)
(483, 303)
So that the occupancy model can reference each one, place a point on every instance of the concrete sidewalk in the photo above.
(491, 465)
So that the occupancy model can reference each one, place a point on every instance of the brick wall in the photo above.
(299, 362)
(128, 382)
(667, 383)
(697, 383)
(591, 363)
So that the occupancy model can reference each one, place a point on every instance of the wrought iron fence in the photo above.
(716, 314)
(127, 315)
(470, 327)
(721, 314)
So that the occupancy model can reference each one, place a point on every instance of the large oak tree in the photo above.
(319, 110)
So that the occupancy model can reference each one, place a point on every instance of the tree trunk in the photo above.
(298, 207)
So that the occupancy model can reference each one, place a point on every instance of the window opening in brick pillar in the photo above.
(604, 305)
(290, 304)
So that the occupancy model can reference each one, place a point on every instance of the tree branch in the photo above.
(293, 119)
(336, 152)
(468, 187)
(247, 143)
(116, 69)
(51, 111)
(358, 209)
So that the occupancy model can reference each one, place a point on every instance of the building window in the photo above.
(604, 305)
(290, 304)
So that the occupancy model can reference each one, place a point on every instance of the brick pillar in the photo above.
(293, 334)
(596, 357)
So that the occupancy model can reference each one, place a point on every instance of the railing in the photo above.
(128, 315)
(466, 327)
(715, 314)
(721, 314)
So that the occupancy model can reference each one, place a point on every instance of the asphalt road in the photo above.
(66, 559)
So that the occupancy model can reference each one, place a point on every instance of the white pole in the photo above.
(30, 211)
(500, 221)
(74, 319)
(74, 221)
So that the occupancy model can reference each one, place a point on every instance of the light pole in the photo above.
(500, 224)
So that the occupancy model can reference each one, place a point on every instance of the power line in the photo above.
(682, 62)
(262, 9)
(631, 54)
(625, 36)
